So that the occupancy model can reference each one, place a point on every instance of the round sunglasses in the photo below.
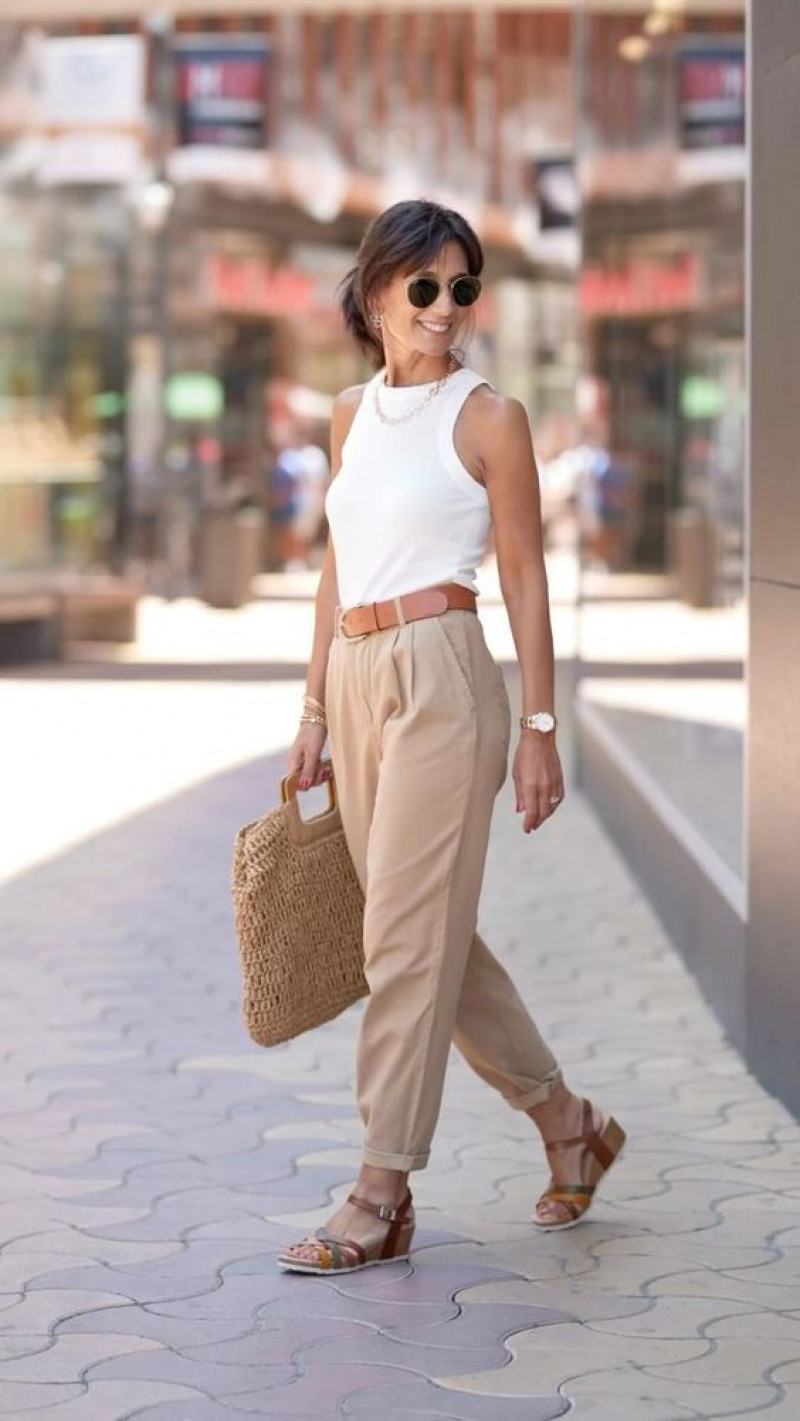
(423, 290)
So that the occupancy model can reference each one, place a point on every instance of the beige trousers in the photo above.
(419, 725)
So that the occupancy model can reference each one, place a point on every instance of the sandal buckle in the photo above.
(386, 1213)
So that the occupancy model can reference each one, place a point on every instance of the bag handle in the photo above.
(290, 783)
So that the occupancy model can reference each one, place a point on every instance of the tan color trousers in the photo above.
(419, 725)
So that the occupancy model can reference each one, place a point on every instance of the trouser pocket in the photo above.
(453, 637)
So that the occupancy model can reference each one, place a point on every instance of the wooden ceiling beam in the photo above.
(52, 11)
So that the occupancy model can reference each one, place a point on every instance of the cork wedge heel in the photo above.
(604, 1149)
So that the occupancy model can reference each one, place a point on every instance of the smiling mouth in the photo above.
(437, 328)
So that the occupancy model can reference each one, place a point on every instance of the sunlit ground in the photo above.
(88, 744)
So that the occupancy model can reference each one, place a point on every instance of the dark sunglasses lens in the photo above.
(422, 291)
(466, 290)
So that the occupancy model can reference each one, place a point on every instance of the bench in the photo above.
(41, 613)
(30, 628)
(100, 610)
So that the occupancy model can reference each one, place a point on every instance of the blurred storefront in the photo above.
(662, 285)
(64, 295)
(256, 148)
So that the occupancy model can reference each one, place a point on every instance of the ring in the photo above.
(555, 799)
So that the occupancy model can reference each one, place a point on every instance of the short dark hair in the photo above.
(405, 237)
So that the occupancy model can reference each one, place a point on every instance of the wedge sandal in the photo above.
(331, 1250)
(605, 1148)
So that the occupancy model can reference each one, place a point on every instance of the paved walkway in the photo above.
(151, 1160)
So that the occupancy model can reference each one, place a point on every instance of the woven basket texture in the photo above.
(298, 912)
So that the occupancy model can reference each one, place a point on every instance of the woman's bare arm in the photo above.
(305, 753)
(512, 483)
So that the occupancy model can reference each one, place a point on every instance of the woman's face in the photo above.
(432, 331)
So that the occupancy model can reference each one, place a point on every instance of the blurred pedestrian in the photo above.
(310, 507)
(606, 508)
(284, 495)
(426, 457)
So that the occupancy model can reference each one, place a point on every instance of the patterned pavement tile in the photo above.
(787, 1373)
(786, 1408)
(72, 1243)
(21, 1345)
(216, 1379)
(144, 1322)
(202, 1409)
(713, 1284)
(679, 1317)
(605, 1406)
(68, 1357)
(424, 1401)
(627, 1388)
(568, 1297)
(365, 1391)
(330, 1304)
(38, 1312)
(782, 1327)
(552, 1354)
(25, 1398)
(700, 1248)
(729, 1363)
(421, 1356)
(469, 1328)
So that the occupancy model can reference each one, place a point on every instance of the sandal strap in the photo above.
(589, 1138)
(382, 1211)
(566, 1192)
(574, 1210)
(334, 1245)
(396, 1219)
(574, 1139)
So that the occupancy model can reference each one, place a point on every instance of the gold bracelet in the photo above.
(310, 719)
(312, 701)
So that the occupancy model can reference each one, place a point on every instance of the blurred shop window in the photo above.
(663, 611)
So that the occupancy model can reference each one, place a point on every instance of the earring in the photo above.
(377, 320)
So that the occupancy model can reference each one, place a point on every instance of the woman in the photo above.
(425, 457)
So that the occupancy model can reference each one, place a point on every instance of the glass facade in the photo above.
(662, 530)
(62, 357)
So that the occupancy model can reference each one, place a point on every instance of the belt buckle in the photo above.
(360, 636)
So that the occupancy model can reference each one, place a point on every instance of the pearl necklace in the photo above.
(453, 365)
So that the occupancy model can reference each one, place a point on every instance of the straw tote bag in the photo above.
(298, 912)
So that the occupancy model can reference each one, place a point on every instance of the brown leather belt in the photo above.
(355, 623)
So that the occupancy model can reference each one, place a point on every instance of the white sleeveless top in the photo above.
(403, 511)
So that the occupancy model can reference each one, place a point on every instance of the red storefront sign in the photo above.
(250, 286)
(644, 285)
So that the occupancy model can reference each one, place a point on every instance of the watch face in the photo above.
(545, 721)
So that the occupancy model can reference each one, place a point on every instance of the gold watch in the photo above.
(538, 720)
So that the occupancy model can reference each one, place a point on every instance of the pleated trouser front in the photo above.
(419, 725)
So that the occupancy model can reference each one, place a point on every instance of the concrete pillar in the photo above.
(773, 951)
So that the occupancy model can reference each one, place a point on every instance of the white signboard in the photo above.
(95, 81)
(100, 158)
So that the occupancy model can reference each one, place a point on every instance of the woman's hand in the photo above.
(305, 753)
(538, 778)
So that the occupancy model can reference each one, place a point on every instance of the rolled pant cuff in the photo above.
(538, 1095)
(379, 1159)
